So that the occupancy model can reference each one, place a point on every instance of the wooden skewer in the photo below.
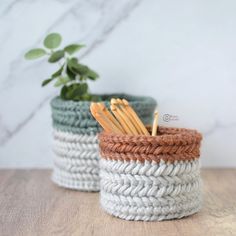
(155, 124)
(135, 116)
(111, 117)
(121, 119)
(129, 115)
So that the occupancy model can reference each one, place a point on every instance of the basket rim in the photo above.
(172, 144)
(167, 135)
(58, 102)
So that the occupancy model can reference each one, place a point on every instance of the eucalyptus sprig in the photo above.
(72, 76)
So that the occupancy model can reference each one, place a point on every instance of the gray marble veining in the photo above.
(182, 53)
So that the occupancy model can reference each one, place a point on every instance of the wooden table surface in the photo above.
(30, 204)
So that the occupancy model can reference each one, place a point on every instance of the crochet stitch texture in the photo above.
(76, 160)
(151, 178)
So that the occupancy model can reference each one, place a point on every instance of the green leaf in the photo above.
(77, 90)
(70, 73)
(82, 69)
(86, 97)
(71, 68)
(81, 89)
(62, 81)
(58, 73)
(46, 81)
(96, 98)
(64, 92)
(91, 74)
(35, 53)
(56, 56)
(72, 48)
(52, 41)
(79, 68)
(74, 91)
(72, 63)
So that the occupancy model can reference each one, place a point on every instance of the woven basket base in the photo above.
(81, 185)
(76, 161)
(124, 212)
(150, 191)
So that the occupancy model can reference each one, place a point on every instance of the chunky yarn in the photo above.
(151, 178)
(76, 163)
(76, 160)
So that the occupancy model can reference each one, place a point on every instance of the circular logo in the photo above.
(166, 117)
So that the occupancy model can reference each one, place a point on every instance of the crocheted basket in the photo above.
(76, 163)
(151, 178)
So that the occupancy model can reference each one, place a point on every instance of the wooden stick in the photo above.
(135, 116)
(129, 115)
(101, 122)
(113, 101)
(109, 122)
(120, 119)
(98, 118)
(106, 124)
(127, 120)
(155, 124)
(111, 117)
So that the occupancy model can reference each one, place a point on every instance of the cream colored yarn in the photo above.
(76, 164)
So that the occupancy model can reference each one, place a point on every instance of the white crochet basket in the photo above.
(76, 163)
(151, 178)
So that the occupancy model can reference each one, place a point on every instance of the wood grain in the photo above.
(30, 204)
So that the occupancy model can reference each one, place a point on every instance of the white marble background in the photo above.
(183, 53)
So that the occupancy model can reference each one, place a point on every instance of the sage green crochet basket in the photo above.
(76, 159)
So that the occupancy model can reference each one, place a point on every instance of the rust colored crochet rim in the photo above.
(170, 144)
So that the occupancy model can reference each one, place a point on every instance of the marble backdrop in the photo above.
(183, 53)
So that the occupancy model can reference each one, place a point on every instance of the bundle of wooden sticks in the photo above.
(122, 120)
